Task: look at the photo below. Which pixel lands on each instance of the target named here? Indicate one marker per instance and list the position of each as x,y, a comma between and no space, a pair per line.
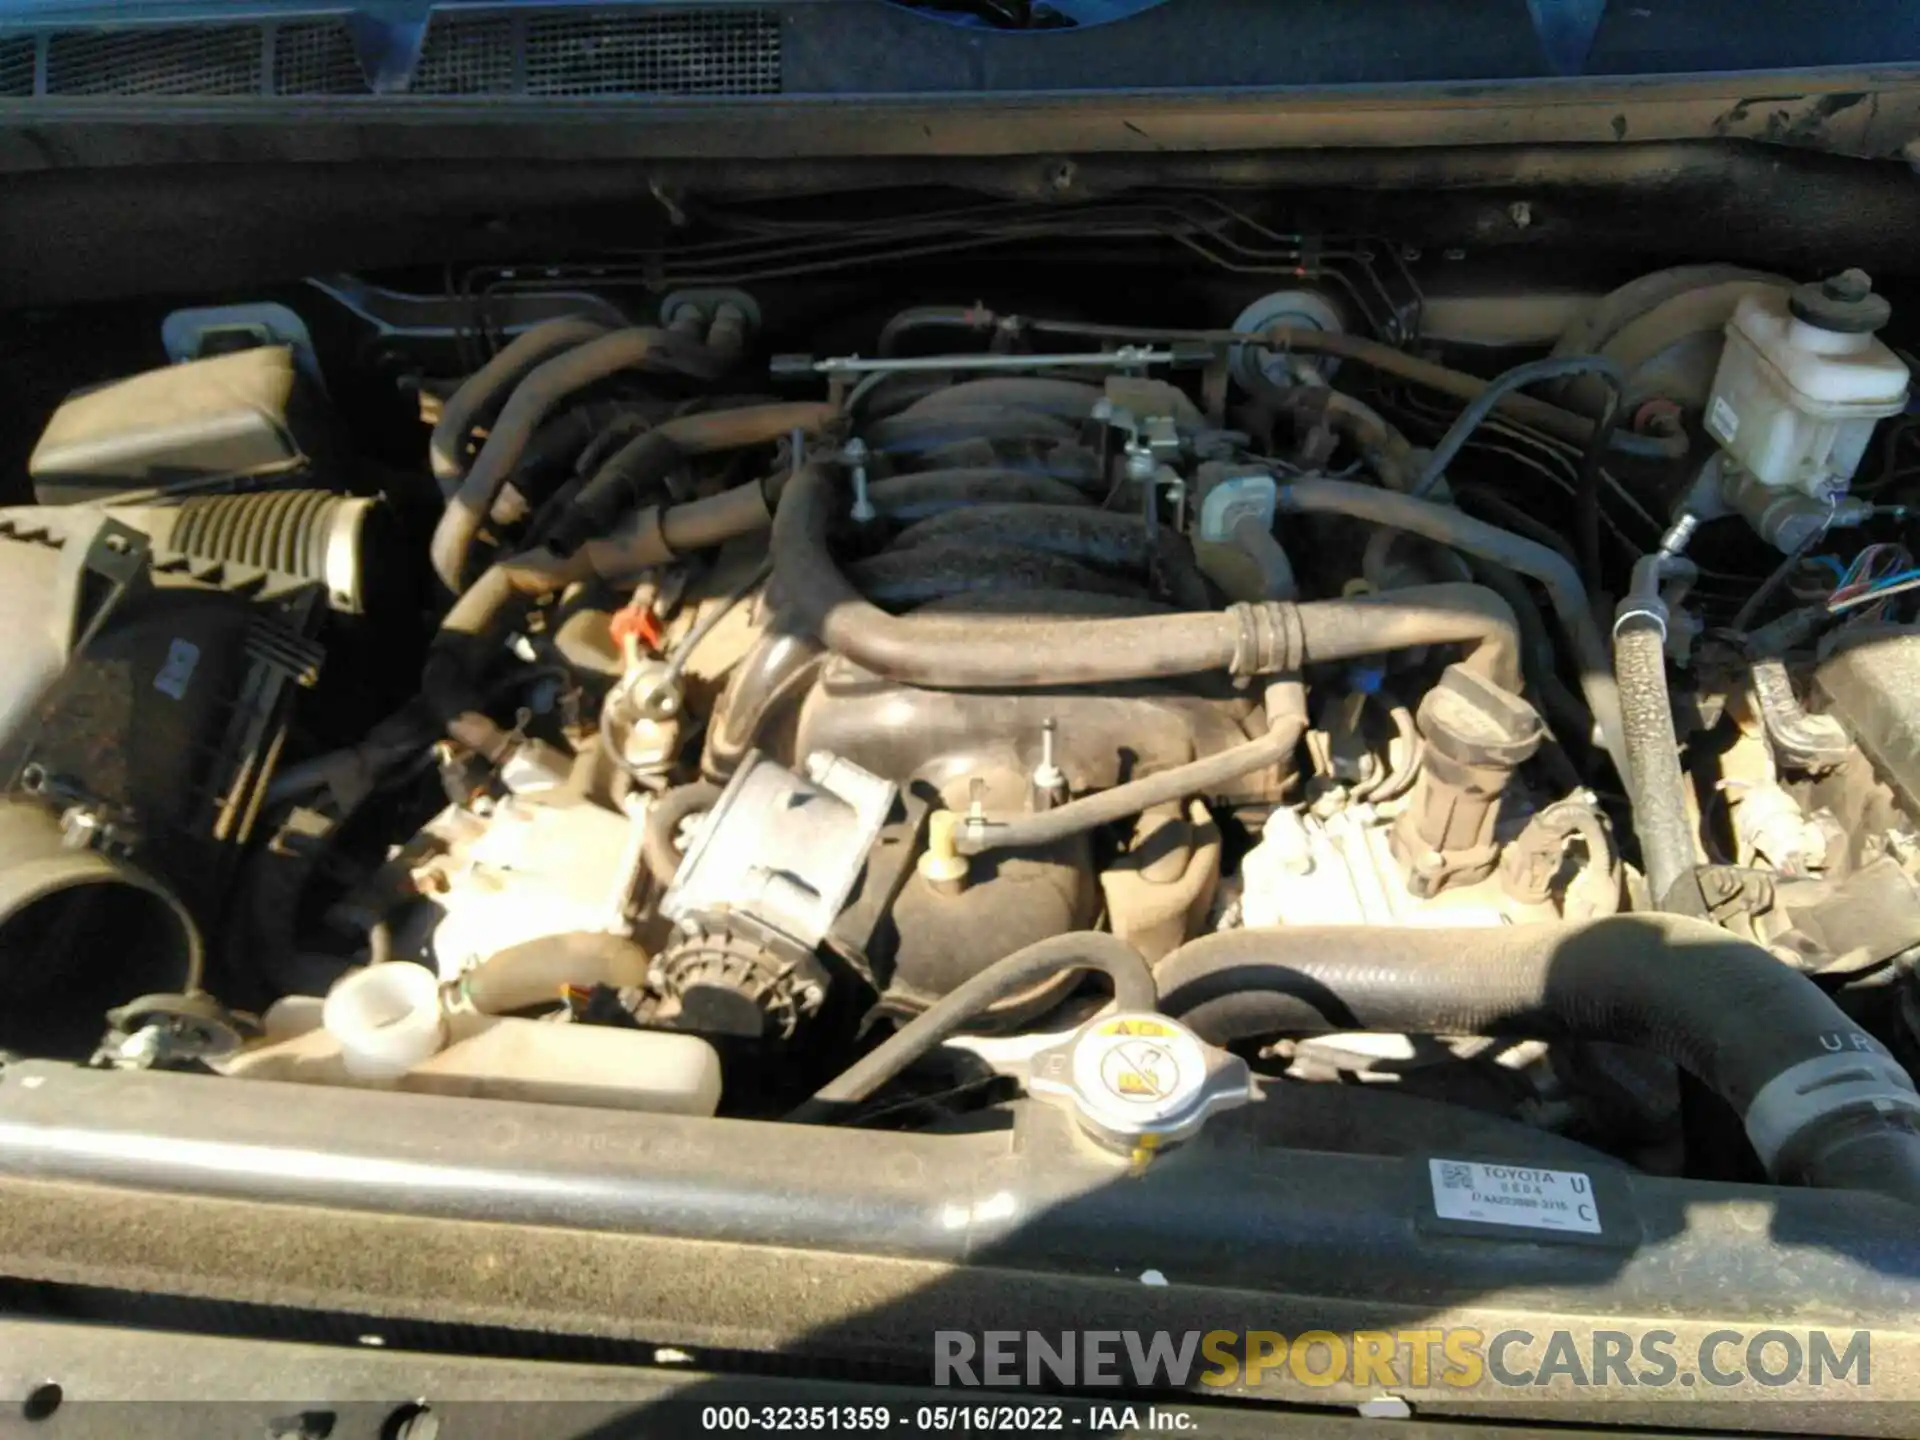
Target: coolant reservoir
384,1027
1802,382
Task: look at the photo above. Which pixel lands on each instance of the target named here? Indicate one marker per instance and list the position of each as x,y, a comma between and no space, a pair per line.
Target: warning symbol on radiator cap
1140,1071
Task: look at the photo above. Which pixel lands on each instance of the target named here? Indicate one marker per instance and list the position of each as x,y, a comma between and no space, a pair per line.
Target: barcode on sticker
1454,1175
1523,1195
1723,420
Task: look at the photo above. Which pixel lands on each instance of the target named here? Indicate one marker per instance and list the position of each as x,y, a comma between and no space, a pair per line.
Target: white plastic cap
386,1018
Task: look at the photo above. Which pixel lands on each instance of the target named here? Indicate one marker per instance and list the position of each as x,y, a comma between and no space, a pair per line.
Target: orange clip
638,622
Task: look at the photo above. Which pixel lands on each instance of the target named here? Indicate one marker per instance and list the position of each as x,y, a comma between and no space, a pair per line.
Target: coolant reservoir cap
1140,1081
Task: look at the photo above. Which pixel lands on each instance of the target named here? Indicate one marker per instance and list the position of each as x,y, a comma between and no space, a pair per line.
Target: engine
701,719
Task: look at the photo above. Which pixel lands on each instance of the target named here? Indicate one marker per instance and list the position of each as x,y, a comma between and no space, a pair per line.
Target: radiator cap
1140,1082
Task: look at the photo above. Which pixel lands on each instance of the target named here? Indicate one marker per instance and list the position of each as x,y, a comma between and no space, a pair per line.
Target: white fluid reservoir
1803,381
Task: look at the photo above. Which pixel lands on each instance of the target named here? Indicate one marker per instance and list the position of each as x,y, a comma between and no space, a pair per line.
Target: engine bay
737,685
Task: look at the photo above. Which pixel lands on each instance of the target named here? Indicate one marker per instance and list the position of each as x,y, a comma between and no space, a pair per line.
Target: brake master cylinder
1801,384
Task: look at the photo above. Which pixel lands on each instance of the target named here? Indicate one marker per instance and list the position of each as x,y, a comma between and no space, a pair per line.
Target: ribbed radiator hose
1823,1103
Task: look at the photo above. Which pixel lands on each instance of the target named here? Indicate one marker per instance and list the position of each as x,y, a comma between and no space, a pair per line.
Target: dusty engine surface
776,725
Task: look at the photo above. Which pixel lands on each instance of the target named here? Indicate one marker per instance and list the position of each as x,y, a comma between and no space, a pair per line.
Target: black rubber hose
1569,716
1373,437
1412,616
1571,720
632,473
1498,510
956,653
534,398
1448,526
1331,630
778,668
1554,367
1252,535
1084,950
470,635
1199,777
976,652
1752,607
1587,483
695,637
1374,354
969,318
379,942
482,393
556,449
537,972
1655,782
665,814
1722,1009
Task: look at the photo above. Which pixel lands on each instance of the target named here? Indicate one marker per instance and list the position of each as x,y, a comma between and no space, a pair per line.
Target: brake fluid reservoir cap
1140,1082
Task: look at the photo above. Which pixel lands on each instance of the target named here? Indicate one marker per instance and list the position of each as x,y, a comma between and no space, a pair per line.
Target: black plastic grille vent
16,65
719,52
555,54
316,58
467,56
202,60
711,52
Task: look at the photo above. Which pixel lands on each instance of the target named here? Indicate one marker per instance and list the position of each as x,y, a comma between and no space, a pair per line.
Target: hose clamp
1650,608
1271,639
1819,1089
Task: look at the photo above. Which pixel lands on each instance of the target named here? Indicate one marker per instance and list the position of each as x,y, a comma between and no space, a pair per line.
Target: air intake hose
80,930
1822,1102
276,539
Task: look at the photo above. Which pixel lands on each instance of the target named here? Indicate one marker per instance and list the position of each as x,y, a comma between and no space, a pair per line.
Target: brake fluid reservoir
1803,381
